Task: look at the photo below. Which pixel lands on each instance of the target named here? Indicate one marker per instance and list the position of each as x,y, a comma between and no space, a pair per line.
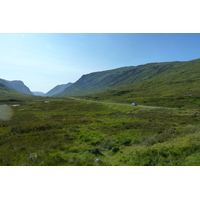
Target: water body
15,105
5,112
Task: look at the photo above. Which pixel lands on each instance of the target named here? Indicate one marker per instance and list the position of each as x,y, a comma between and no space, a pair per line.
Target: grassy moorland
70,132
188,100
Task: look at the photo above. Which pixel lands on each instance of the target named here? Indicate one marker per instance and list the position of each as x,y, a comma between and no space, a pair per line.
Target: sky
44,60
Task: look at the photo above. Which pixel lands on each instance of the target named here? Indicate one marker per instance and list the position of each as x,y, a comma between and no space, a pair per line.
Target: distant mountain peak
37,93
58,89
16,85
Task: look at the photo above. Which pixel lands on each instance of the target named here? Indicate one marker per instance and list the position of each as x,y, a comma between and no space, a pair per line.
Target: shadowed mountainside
6,93
154,79
17,86
58,89
37,93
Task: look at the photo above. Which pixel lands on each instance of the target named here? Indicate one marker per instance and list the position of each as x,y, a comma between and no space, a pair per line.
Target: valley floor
63,131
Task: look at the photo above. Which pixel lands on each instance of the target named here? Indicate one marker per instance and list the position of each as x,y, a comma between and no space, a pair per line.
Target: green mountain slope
57,89
6,93
94,82
177,85
144,77
18,86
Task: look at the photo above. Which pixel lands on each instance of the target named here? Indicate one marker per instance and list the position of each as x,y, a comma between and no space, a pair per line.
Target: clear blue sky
45,60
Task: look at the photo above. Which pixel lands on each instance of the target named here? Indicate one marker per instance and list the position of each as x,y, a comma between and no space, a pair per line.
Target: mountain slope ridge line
160,79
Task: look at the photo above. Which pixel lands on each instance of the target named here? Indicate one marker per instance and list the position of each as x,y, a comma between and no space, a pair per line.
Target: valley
92,122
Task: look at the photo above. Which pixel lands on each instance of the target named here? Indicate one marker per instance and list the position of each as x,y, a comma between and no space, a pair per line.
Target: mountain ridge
16,85
58,89
8,93
38,93
177,86
101,81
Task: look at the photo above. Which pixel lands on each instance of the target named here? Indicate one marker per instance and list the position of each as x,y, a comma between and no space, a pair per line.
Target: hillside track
121,104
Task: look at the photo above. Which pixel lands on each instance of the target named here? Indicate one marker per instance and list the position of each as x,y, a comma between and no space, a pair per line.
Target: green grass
169,84
176,79
71,132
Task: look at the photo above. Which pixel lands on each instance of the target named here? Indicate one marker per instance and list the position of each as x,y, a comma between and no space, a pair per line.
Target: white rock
34,155
97,160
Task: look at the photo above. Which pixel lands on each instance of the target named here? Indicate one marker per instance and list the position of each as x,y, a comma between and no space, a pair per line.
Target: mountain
17,86
172,85
8,93
91,83
38,93
153,80
110,79
58,89
5,90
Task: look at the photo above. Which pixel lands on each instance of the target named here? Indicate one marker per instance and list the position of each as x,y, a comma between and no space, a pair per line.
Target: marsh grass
69,132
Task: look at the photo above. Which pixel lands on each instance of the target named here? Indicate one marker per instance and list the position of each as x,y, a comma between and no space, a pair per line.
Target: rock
34,155
97,160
